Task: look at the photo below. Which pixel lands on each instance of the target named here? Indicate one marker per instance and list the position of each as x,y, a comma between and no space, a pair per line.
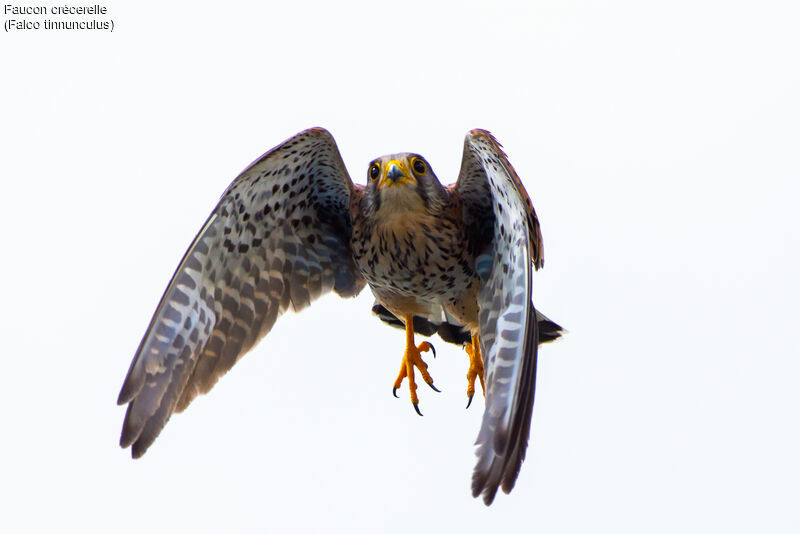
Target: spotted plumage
457,260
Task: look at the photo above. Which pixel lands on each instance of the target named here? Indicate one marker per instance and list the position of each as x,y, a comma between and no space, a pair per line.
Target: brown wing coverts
278,239
505,233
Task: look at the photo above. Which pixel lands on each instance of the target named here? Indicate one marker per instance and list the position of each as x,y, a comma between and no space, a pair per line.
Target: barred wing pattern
277,240
499,213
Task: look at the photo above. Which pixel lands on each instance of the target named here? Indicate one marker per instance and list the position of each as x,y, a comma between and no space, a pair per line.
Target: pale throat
400,208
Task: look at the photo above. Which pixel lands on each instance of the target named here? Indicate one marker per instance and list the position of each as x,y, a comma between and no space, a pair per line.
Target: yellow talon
475,367
412,358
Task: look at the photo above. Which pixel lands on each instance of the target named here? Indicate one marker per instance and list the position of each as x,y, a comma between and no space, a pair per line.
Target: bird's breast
416,256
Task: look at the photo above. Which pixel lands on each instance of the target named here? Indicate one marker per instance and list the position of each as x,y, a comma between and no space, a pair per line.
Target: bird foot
412,358
475,368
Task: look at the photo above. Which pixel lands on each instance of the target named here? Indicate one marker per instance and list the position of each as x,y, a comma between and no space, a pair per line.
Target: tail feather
548,330
454,333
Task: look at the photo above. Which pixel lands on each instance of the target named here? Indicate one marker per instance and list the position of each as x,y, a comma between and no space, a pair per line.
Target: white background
660,143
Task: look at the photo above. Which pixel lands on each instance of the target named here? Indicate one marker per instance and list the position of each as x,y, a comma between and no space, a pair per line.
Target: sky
658,142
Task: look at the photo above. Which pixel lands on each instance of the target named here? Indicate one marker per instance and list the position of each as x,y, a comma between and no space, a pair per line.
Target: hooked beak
395,173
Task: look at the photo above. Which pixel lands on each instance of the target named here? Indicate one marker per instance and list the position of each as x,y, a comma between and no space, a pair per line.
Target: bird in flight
453,260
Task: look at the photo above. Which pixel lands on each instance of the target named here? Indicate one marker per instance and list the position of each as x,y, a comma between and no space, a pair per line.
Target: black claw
434,387
433,350
394,392
416,407
470,400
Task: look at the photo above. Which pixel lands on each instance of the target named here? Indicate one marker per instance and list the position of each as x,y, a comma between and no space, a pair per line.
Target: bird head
402,183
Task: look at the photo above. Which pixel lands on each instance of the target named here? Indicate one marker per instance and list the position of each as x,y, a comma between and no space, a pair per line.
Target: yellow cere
408,178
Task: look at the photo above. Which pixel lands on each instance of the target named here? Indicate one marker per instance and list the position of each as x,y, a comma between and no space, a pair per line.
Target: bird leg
412,358
473,349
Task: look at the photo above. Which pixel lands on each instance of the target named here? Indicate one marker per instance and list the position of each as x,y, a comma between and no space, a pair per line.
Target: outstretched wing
278,239
504,232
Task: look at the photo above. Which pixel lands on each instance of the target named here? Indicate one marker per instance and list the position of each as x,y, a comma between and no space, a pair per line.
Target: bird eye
374,170
418,165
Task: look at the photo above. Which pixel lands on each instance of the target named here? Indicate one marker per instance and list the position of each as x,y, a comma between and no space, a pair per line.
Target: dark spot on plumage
275,188
465,267
193,263
243,248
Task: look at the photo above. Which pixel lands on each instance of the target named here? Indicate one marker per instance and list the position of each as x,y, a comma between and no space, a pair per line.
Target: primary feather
277,239
504,223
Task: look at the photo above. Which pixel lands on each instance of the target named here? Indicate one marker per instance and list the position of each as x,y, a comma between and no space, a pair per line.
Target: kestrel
455,260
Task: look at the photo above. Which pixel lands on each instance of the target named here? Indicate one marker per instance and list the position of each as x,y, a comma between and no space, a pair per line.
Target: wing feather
277,240
504,232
